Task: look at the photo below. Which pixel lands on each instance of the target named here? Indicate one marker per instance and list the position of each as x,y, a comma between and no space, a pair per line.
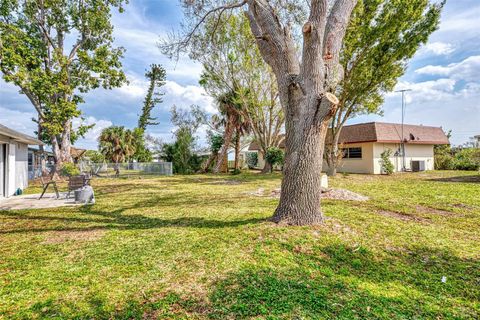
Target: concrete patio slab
31,201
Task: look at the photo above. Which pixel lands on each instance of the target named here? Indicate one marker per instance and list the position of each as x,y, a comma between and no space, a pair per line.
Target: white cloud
438,48
18,120
465,21
136,88
141,37
90,139
467,70
433,90
184,96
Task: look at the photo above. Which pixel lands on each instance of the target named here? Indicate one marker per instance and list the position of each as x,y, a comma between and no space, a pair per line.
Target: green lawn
200,247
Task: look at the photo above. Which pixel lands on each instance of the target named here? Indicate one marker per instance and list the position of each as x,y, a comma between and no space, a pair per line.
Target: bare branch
180,45
335,29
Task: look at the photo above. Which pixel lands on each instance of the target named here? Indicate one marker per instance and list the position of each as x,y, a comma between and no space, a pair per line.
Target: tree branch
312,62
189,36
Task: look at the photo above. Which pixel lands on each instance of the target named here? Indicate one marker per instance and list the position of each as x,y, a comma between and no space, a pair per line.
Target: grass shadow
460,179
334,282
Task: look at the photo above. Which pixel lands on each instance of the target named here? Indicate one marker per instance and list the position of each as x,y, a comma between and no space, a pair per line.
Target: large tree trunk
333,155
57,156
306,90
301,184
266,167
237,152
43,162
65,148
212,158
227,139
61,151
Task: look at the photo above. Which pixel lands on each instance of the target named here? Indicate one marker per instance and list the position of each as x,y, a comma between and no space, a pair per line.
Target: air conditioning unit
418,166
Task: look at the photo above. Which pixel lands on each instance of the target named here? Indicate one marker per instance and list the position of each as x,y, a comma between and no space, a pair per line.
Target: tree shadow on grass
342,283
460,179
335,282
115,220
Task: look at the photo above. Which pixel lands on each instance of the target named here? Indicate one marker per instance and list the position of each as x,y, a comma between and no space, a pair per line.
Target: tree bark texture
333,156
237,152
267,167
227,139
306,90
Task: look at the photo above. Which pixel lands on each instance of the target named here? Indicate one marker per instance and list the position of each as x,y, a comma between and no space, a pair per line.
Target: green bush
274,156
460,159
467,159
252,159
444,161
387,165
69,169
95,156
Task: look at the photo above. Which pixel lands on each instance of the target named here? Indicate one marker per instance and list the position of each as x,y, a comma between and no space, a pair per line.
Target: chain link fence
114,170
111,170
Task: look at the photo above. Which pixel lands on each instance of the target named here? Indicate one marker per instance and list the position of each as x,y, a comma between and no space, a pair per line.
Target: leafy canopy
381,36
117,144
54,50
156,75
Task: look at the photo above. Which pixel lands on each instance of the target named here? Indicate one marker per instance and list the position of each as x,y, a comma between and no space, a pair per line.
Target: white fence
35,171
112,170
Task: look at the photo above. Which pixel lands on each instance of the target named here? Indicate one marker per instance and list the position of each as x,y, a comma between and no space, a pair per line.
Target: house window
352,153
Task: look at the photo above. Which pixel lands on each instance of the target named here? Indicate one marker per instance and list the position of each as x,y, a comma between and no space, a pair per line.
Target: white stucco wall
21,166
371,160
261,160
363,165
2,170
413,152
15,173
10,172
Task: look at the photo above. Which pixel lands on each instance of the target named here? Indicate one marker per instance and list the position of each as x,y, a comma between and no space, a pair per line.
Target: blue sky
443,76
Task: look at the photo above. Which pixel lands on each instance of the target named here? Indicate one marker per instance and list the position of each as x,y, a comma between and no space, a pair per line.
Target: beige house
362,145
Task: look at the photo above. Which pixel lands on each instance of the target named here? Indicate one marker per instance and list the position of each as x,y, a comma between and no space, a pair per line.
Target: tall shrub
386,163
274,156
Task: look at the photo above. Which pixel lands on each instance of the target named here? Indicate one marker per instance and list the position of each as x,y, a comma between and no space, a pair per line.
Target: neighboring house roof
385,133
35,150
77,152
18,136
254,145
391,133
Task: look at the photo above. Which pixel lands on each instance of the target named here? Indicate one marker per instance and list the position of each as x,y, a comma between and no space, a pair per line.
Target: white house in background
363,144
476,141
14,160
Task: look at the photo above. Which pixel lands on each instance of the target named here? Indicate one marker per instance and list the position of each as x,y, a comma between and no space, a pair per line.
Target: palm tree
235,120
117,144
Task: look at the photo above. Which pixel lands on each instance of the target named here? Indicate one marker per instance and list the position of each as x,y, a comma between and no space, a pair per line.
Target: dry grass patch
56,237
401,216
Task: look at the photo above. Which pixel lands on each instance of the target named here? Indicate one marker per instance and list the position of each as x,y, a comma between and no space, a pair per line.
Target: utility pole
402,139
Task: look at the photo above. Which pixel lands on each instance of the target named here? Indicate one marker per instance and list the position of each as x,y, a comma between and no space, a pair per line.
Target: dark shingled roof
385,133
